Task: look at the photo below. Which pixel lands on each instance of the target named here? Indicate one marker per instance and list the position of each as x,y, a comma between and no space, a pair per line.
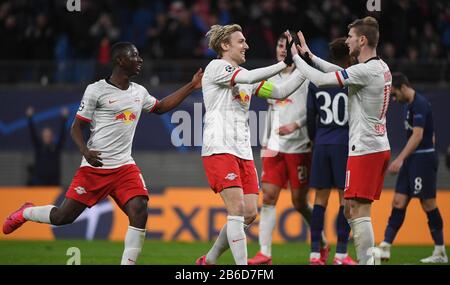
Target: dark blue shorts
417,177
329,163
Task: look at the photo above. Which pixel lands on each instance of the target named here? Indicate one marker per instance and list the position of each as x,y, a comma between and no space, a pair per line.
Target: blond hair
367,27
220,34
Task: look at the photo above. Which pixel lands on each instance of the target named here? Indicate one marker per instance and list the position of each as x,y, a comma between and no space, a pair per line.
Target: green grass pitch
168,253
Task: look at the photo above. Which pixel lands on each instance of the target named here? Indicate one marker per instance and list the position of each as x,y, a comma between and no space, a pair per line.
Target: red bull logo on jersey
126,116
284,102
242,97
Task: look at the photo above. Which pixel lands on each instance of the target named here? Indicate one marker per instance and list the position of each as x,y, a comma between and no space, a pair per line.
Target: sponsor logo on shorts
231,176
80,190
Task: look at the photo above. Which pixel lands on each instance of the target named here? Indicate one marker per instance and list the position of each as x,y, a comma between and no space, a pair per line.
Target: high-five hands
289,49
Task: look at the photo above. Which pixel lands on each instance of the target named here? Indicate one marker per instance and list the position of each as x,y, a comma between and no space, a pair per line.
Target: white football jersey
369,87
226,128
282,112
113,115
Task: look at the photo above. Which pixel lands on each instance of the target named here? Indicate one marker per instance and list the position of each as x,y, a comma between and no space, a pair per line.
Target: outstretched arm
317,77
174,99
256,75
267,89
92,156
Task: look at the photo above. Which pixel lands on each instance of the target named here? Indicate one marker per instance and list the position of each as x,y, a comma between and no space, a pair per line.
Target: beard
355,53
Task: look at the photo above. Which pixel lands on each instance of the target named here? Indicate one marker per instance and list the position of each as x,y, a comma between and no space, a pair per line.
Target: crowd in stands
45,30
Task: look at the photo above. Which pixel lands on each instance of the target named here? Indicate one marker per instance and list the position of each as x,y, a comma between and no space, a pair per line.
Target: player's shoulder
420,100
97,87
220,65
138,86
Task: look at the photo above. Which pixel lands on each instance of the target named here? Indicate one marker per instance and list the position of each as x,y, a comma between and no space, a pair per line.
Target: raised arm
34,135
319,63
173,100
62,132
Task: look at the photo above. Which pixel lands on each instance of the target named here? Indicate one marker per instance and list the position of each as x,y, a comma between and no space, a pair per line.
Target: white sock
364,238
237,239
134,241
219,246
438,249
39,214
266,227
340,255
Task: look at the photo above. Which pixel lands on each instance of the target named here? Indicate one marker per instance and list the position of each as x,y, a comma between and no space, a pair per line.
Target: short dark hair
367,27
399,79
339,51
119,49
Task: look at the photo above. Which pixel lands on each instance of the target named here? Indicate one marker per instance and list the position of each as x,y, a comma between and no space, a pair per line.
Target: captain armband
265,90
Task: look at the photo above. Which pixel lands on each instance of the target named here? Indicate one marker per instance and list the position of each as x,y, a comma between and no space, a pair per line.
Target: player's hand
197,79
29,112
395,166
287,129
93,158
64,112
303,47
265,152
290,52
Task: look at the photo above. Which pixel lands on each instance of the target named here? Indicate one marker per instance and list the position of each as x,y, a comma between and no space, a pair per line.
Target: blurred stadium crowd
44,30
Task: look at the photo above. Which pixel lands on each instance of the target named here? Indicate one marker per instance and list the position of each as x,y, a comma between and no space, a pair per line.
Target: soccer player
286,158
111,108
226,152
329,107
416,166
369,84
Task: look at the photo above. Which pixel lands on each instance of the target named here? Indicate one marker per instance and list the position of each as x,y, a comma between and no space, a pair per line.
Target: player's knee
249,219
269,198
59,218
300,205
347,212
137,212
428,205
236,209
399,204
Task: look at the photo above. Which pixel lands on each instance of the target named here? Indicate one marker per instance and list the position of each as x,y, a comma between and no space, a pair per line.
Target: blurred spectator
47,151
388,51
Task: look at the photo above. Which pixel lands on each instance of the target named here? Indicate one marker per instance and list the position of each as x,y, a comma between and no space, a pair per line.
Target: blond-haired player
226,152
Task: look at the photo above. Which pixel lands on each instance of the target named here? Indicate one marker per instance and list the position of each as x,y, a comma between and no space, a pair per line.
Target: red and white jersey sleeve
113,115
226,128
369,92
149,102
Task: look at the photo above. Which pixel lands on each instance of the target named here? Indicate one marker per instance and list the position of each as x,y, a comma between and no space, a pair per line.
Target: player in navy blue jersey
327,121
416,166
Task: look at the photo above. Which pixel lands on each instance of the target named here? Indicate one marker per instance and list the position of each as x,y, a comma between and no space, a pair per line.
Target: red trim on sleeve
154,106
83,118
232,83
259,87
339,79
